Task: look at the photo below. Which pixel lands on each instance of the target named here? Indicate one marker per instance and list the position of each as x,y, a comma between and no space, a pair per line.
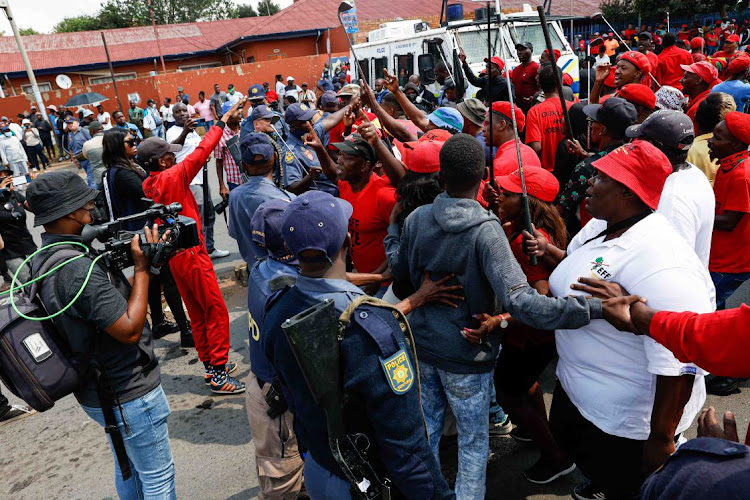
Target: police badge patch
399,372
308,154
289,157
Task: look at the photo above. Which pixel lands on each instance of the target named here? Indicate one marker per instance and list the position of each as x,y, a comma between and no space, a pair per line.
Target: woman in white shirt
621,400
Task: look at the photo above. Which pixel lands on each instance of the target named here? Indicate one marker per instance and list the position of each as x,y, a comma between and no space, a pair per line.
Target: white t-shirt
280,88
166,113
601,59
104,116
233,98
191,142
610,376
688,202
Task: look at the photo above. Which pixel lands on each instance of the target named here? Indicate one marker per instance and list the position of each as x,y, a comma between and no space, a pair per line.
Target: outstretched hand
439,292
708,425
487,324
599,288
311,138
391,82
617,312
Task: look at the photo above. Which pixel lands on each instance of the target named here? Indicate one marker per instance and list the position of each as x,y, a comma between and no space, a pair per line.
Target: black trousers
171,293
4,405
612,463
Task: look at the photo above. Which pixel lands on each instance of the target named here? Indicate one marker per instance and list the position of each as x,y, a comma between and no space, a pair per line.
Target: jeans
147,444
86,165
232,185
497,414
210,216
36,155
468,395
726,284
158,132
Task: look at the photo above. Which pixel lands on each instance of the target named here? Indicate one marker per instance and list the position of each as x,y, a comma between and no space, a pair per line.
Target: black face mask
411,97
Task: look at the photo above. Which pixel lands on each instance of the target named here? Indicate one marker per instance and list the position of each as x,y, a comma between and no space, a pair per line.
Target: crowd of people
608,242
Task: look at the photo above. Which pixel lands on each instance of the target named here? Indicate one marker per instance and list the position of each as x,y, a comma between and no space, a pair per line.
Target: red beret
503,108
567,80
739,126
638,94
638,60
554,51
696,43
739,65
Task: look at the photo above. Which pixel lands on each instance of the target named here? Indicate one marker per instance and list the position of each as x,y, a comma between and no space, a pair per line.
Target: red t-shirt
506,158
732,190
336,134
544,124
653,59
368,224
694,103
712,39
524,80
668,71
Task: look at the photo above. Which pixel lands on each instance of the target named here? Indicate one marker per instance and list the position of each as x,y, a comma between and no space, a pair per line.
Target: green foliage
660,7
267,8
245,10
28,31
78,23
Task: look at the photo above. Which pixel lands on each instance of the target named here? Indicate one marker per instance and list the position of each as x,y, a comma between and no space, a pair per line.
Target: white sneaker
218,254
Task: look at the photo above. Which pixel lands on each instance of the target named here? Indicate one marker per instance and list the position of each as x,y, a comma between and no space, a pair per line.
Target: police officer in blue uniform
378,366
256,94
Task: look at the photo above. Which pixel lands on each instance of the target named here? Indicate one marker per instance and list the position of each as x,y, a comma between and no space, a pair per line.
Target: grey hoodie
456,235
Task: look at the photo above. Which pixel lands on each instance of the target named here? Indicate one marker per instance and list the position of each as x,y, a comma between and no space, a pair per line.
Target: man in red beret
631,67
731,43
495,68
640,96
735,86
696,49
696,84
503,138
668,72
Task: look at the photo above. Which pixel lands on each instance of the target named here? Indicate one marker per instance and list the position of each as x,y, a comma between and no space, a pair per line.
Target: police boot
186,335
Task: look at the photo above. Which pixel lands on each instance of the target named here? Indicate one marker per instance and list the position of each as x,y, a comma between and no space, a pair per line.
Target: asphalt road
62,454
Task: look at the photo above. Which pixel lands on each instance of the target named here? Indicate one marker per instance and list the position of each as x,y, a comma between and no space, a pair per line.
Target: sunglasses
130,142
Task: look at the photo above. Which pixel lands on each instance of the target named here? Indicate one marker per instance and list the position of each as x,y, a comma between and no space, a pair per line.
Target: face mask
298,133
8,134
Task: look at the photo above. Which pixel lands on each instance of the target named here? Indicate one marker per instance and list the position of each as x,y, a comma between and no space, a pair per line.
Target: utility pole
29,72
112,73
156,35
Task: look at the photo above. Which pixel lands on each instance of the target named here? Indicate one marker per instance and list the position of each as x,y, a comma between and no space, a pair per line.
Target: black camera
221,206
183,234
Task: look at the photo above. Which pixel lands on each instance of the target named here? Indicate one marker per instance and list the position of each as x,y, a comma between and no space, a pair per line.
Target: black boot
186,335
164,328
724,386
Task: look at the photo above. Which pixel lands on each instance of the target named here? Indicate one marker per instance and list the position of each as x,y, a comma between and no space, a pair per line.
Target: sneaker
229,368
546,471
586,491
218,254
520,435
501,428
221,383
16,412
164,328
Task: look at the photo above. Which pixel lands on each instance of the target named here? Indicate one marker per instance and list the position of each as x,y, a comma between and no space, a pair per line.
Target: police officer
256,94
377,364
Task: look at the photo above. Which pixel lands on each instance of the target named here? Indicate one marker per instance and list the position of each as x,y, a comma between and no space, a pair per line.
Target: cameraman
19,243
169,182
107,305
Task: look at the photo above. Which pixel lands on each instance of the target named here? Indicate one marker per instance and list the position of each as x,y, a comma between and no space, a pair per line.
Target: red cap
739,126
641,167
554,51
422,156
684,25
739,65
696,43
638,60
705,70
733,38
497,61
503,108
437,134
610,80
567,80
540,183
638,94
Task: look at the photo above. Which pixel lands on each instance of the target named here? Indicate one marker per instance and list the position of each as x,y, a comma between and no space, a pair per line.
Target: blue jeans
322,484
726,284
468,395
232,185
158,132
89,173
147,444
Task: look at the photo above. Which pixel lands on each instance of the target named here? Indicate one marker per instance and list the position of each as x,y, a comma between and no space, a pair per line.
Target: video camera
183,234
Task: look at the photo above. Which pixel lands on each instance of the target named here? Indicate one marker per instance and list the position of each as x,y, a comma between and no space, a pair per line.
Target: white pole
29,72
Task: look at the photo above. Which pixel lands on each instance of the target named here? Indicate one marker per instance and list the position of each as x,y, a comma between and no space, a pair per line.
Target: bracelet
154,270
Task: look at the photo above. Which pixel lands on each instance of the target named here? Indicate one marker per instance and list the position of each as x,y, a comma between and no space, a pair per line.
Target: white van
410,47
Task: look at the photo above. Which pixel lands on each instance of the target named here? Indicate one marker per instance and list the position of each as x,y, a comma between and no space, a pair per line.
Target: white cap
289,78
96,104
87,112
25,121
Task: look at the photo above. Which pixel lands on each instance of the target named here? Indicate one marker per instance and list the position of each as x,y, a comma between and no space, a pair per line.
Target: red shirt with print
336,134
544,124
732,190
368,224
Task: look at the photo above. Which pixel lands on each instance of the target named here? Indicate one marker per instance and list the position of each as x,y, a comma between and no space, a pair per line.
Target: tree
78,23
659,7
267,8
245,10
28,31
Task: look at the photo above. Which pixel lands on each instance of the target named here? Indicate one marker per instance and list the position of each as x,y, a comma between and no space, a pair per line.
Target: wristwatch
504,322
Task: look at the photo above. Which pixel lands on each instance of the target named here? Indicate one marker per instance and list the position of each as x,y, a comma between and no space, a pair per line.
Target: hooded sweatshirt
456,235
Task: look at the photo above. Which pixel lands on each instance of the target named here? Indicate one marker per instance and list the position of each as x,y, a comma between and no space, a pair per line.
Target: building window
43,87
95,80
192,67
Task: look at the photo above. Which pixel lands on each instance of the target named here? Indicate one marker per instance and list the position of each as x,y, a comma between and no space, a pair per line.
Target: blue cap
226,107
262,111
447,118
328,97
256,92
256,144
298,112
315,220
70,119
266,230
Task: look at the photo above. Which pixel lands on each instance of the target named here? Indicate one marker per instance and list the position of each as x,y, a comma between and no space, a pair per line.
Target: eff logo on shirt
598,270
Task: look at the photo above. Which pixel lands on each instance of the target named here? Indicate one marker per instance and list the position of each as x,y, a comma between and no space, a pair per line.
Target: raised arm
412,112
396,128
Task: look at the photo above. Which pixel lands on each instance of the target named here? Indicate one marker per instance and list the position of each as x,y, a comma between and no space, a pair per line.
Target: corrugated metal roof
68,50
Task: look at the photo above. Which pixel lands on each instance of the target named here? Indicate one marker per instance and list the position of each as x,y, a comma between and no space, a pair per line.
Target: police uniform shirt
244,201
298,159
259,290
